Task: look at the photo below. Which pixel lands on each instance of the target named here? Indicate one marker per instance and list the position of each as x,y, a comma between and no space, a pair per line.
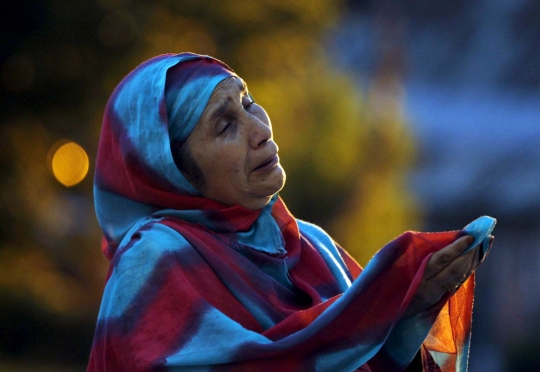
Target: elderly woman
210,271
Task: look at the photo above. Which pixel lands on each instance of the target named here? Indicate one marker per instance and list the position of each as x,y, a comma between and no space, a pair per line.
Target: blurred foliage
345,154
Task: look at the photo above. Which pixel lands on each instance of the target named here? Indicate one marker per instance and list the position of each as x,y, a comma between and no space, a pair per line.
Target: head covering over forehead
136,178
188,89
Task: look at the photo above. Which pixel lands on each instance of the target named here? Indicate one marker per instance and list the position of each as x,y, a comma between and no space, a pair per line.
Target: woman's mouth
267,164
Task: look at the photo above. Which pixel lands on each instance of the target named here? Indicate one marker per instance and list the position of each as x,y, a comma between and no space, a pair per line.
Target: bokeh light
68,162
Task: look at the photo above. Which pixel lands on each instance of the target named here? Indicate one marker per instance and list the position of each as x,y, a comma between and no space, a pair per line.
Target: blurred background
390,116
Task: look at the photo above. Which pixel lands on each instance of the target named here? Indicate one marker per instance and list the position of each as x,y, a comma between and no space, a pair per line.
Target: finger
481,254
454,273
439,260
475,258
490,244
479,257
447,280
475,261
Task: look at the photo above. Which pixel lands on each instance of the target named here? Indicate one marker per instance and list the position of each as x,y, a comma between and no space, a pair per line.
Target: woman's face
233,147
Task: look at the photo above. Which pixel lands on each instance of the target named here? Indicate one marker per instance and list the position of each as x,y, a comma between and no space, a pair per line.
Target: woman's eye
224,128
247,101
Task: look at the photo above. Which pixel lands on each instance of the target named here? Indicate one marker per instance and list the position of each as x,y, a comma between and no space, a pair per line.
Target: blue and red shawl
195,285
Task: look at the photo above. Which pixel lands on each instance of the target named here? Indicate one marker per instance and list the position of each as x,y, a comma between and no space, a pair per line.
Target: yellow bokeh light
69,163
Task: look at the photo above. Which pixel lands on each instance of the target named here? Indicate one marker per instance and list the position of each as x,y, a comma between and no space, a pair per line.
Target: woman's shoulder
319,238
153,239
313,232
337,260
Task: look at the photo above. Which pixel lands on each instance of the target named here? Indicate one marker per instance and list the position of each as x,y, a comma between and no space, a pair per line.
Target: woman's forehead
230,90
234,83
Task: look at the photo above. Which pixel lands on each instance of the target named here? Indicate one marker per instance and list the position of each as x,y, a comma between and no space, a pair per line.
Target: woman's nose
260,133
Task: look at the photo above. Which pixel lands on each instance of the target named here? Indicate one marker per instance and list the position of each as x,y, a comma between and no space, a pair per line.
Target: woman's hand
445,271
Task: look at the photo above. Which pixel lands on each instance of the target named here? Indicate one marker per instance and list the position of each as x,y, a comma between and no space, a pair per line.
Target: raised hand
446,270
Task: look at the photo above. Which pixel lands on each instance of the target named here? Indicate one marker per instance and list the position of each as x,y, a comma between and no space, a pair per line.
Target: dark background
405,115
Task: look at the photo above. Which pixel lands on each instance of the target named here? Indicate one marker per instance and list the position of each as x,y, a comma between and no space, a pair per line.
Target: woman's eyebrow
225,104
220,110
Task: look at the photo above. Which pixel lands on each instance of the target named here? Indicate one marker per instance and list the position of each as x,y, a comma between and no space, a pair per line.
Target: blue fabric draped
196,285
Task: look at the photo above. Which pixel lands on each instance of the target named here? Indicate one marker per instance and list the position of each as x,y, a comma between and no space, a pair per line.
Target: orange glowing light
69,163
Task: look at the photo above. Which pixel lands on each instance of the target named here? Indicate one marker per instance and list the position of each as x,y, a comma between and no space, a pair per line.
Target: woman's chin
276,181
266,190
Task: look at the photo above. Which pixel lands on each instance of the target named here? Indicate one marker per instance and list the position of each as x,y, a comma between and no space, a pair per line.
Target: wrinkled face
233,147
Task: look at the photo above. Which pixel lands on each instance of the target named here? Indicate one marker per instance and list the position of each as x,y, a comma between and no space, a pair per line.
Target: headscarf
197,285
136,176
